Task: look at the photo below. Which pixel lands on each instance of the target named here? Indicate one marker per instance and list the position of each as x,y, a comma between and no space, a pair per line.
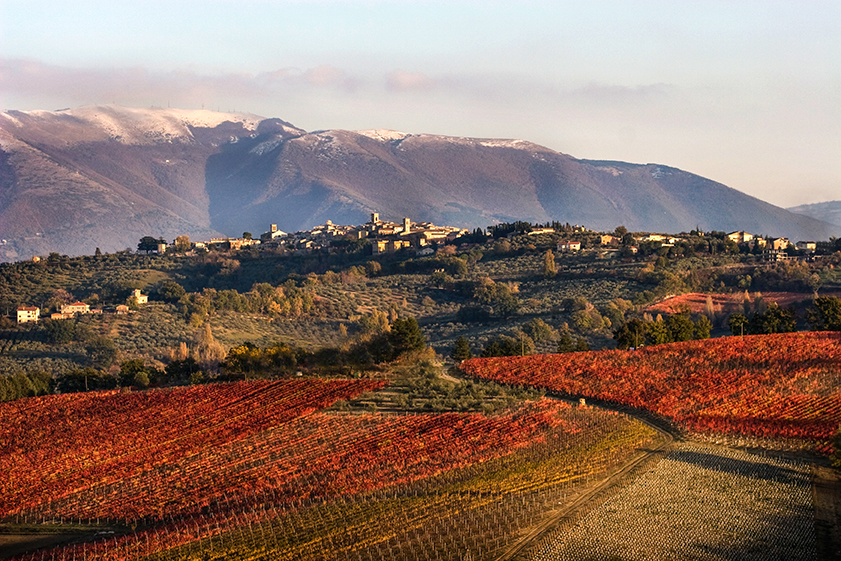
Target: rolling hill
104,176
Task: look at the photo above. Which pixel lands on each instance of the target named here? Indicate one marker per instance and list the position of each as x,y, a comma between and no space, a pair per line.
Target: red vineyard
191,464
55,446
778,386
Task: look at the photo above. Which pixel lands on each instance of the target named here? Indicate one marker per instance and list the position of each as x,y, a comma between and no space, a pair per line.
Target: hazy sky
747,93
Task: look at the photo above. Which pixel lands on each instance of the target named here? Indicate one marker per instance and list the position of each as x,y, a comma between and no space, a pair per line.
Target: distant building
740,237
28,314
807,246
76,308
776,255
780,244
122,309
272,234
141,298
538,231
608,239
569,246
389,246
59,315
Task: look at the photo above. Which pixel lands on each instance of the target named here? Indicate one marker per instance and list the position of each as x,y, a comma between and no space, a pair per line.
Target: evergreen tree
631,334
658,332
737,324
703,327
825,314
461,350
406,336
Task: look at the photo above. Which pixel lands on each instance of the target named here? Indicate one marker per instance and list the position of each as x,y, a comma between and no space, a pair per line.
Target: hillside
106,176
828,212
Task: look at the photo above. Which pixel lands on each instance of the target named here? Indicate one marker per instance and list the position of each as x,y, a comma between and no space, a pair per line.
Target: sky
747,93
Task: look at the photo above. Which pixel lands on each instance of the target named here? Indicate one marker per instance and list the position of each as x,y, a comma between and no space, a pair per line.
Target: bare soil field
700,502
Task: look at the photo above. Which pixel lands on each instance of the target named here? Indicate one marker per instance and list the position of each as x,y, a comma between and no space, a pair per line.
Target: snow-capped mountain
105,176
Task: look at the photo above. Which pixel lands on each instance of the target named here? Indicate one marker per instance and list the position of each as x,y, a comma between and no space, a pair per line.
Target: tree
825,314
171,291
246,235
703,327
620,231
59,330
182,243
549,268
658,332
406,336
737,324
147,243
631,334
509,346
102,351
681,327
373,268
565,342
539,330
498,296
461,350
207,350
141,379
815,282
130,369
773,320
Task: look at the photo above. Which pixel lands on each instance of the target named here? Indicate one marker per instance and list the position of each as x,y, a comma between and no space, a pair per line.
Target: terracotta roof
27,309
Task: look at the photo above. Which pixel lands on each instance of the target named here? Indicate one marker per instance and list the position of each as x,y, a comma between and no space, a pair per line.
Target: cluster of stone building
27,314
773,249
385,237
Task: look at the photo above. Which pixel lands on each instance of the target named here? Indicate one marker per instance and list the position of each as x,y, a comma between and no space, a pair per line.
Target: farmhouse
141,298
740,237
76,308
569,246
28,314
780,244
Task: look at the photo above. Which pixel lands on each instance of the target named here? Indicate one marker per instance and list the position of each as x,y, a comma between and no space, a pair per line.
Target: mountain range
105,176
829,211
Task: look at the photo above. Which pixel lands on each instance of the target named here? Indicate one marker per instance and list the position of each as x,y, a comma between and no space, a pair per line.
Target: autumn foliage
198,466
781,386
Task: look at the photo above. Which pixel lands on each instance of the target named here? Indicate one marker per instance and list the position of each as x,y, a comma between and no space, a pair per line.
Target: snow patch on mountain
143,126
383,134
266,147
503,143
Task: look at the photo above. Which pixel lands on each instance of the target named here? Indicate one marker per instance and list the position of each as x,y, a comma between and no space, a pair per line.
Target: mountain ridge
828,211
104,176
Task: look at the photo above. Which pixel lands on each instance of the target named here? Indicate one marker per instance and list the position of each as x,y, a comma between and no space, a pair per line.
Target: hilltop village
423,239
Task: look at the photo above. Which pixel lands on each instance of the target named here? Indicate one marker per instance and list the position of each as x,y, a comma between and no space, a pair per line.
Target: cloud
401,81
35,80
329,76
614,92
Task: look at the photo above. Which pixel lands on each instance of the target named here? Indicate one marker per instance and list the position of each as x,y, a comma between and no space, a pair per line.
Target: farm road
568,512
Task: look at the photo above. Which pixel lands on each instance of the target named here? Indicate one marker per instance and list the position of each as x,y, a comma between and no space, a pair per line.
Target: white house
27,314
569,246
